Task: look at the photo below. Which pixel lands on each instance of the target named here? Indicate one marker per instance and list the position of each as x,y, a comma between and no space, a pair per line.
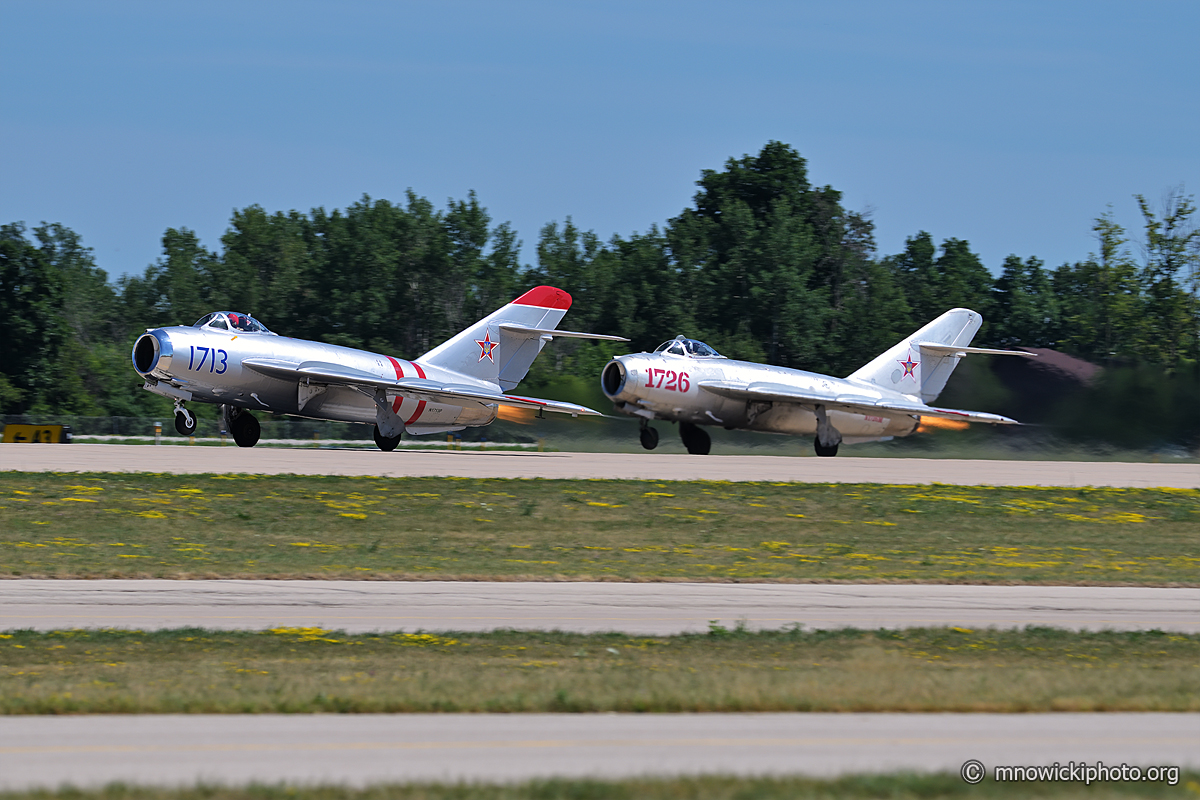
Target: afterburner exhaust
521,416
937,423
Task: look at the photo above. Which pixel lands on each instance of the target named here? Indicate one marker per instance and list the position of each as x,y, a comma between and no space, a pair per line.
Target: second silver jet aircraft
688,382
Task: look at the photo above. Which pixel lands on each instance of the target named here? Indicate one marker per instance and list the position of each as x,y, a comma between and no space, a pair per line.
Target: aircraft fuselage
666,386
206,365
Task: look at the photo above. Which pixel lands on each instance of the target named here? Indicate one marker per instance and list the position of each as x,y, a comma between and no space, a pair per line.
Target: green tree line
763,265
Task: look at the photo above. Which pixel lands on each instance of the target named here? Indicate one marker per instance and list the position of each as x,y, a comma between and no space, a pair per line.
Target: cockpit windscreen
231,320
691,347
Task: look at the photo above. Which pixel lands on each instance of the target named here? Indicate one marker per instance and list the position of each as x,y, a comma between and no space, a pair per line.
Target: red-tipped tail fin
544,297
486,351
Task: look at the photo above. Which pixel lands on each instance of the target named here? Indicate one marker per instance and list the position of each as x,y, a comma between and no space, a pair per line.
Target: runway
642,466
636,608
358,750
364,749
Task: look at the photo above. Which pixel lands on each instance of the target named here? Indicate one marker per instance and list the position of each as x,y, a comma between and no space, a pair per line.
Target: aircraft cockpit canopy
231,321
680,346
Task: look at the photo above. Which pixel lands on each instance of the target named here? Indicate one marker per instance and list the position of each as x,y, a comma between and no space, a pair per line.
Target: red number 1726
675,381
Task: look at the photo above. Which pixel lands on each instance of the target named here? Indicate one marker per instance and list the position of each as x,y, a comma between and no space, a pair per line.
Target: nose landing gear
649,436
185,421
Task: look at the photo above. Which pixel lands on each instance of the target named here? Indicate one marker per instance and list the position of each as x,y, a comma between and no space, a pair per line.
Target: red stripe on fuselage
420,403
396,402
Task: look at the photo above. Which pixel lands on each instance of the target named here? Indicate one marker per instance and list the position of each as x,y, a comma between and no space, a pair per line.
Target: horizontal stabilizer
520,329
949,349
850,403
549,405
968,416
415,388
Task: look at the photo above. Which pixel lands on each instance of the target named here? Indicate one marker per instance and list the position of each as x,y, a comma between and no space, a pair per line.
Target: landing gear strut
695,439
828,437
386,444
649,436
185,421
242,425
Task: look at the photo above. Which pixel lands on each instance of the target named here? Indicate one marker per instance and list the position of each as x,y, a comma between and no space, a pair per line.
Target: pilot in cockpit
680,346
236,320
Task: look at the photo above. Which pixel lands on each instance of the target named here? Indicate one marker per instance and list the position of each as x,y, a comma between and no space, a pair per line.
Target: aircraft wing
416,388
855,404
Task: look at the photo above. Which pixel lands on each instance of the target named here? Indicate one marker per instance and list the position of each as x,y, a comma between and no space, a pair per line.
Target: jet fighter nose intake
612,380
152,353
145,354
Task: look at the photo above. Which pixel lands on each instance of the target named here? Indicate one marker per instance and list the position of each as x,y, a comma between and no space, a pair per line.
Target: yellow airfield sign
37,434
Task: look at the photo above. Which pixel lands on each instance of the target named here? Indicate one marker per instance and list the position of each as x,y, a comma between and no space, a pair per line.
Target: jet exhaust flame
937,423
521,416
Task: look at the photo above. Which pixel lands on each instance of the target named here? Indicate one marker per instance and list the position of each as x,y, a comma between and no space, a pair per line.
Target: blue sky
1008,124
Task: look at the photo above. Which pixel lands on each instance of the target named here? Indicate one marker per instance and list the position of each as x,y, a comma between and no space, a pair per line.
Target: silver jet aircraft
231,359
688,382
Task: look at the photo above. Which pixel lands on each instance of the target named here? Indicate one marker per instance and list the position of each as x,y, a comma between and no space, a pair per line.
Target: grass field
153,525
295,670
895,786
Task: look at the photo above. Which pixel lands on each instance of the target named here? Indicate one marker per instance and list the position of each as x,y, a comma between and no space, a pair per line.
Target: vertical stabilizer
485,352
911,369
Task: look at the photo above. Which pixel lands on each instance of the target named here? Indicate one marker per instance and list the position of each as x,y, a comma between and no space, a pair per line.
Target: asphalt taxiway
361,749
636,608
643,466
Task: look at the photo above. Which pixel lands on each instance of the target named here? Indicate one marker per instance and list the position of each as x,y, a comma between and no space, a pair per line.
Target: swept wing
855,404
415,388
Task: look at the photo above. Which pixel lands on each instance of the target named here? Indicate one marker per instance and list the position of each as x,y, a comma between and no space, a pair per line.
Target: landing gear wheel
695,439
185,421
649,438
823,451
385,444
245,429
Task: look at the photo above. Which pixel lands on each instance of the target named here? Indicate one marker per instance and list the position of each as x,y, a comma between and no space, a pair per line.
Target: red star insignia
910,367
487,347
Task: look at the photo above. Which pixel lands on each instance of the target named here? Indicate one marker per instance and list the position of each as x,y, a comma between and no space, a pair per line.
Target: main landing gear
242,426
649,436
385,443
695,439
828,437
185,421
823,450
